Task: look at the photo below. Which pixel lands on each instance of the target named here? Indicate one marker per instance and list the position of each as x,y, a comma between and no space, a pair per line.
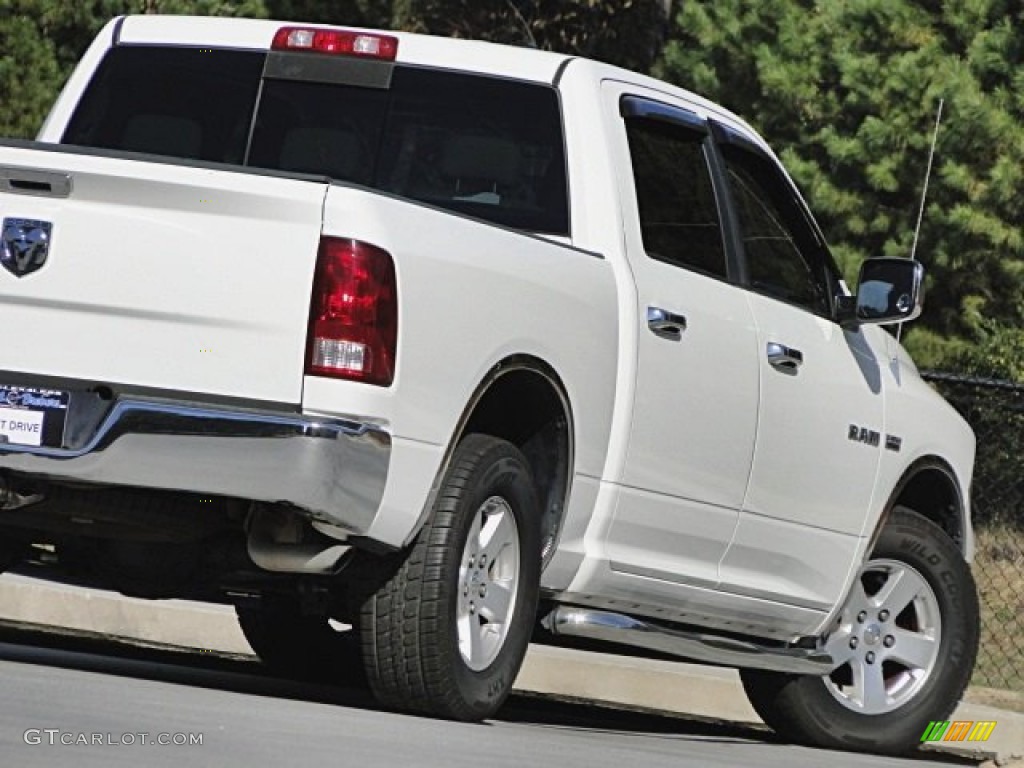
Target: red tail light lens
340,42
353,317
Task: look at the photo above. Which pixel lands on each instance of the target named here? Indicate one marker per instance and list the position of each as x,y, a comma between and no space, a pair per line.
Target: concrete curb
635,683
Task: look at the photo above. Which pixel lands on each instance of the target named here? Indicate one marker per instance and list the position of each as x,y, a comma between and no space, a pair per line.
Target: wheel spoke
914,649
869,687
476,634
466,633
858,599
473,543
900,588
495,606
497,534
838,647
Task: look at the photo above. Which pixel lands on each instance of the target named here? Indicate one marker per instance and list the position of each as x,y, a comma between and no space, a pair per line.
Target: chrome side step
711,649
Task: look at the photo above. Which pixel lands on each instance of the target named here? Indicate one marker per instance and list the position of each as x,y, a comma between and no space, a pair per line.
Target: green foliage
362,13
846,92
849,92
997,353
25,99
493,20
41,40
623,32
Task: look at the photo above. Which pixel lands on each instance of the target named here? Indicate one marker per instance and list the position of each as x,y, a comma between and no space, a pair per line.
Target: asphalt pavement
69,700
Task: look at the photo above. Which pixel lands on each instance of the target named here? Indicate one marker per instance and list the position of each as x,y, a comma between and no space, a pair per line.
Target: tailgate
159,275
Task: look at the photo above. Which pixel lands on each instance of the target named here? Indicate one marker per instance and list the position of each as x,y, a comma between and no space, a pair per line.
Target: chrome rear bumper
334,469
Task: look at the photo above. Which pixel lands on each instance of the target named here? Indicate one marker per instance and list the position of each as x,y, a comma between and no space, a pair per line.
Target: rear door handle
784,358
665,324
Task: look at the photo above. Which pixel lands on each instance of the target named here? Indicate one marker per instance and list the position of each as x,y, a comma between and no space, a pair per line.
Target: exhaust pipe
11,499
283,542
618,628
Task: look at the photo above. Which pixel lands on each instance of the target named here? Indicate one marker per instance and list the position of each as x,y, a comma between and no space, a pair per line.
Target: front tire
445,635
906,642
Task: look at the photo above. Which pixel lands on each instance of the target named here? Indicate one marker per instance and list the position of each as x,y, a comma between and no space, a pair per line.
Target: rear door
695,406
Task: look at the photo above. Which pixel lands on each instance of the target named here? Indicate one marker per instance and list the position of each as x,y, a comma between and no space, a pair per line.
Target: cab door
696,394
820,424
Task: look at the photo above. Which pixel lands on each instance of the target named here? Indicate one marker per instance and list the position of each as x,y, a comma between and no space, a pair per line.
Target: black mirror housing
889,291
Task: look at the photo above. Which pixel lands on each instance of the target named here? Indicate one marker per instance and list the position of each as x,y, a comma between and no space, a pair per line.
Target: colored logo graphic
958,730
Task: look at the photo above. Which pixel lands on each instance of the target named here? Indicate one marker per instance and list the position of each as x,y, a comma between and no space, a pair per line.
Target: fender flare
926,463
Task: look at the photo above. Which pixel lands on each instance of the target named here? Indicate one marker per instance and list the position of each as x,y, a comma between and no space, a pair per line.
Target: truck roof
518,63
224,32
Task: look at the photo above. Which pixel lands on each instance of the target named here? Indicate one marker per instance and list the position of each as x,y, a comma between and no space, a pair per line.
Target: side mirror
889,291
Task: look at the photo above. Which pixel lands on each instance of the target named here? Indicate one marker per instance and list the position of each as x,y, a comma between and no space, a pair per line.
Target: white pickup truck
460,344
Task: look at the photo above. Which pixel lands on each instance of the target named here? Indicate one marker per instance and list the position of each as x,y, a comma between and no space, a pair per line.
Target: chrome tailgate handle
32,181
784,358
665,324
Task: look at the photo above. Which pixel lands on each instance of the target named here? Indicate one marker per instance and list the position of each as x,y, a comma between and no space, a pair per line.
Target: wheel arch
930,487
522,399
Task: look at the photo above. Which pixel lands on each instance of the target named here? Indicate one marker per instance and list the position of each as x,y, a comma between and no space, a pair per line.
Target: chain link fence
995,410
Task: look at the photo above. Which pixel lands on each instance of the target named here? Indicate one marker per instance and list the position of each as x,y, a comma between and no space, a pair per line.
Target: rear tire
445,635
12,553
907,638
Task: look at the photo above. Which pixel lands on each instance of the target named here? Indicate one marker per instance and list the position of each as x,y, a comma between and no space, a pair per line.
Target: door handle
784,358
665,324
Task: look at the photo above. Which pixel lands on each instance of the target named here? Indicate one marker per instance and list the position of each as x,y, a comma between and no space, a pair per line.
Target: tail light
353,316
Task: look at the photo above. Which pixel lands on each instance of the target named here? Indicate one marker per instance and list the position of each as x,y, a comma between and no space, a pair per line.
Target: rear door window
679,219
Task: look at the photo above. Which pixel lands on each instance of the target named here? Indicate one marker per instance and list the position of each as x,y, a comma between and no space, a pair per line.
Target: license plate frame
33,417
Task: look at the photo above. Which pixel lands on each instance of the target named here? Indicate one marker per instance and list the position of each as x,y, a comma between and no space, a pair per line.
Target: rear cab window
478,145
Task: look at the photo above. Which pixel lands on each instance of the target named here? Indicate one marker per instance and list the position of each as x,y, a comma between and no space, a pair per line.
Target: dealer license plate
30,416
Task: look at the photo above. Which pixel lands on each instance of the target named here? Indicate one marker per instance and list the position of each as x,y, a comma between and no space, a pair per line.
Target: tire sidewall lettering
803,709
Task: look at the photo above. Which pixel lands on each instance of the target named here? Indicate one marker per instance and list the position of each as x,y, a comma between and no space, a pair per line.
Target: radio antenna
924,197
527,32
927,178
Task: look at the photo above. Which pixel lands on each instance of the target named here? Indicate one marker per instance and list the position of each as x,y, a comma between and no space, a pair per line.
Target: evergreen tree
29,74
849,92
361,13
624,32
41,40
